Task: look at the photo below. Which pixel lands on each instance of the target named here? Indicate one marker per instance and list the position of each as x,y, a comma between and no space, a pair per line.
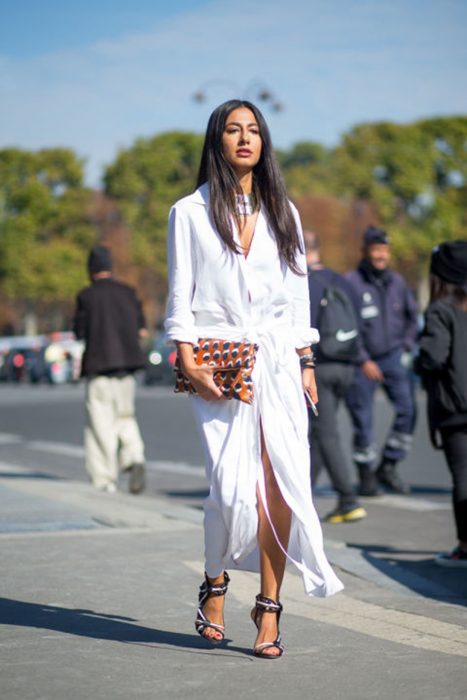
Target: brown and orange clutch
234,362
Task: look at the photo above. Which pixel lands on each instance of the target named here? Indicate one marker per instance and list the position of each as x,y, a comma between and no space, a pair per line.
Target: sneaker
368,485
390,479
137,480
350,514
456,558
109,488
368,490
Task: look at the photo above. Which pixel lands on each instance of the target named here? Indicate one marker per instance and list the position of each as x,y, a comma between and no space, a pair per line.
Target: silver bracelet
307,360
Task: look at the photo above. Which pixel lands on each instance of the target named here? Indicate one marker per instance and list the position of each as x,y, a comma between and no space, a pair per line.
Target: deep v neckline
246,253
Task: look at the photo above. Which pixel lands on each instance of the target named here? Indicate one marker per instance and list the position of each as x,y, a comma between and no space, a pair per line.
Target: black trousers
333,380
455,450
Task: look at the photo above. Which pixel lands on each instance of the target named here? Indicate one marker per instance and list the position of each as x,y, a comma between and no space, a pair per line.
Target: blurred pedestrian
109,319
442,364
388,332
333,311
237,273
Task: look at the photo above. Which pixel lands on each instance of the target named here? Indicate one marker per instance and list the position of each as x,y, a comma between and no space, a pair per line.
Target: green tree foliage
44,224
413,175
308,169
416,174
146,180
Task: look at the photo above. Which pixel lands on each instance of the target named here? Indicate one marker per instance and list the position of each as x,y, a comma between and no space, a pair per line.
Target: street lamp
254,90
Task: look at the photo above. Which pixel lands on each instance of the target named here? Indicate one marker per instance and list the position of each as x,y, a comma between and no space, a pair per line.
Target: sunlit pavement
99,590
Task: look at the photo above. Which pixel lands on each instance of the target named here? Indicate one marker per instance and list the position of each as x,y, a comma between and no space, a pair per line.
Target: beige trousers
112,439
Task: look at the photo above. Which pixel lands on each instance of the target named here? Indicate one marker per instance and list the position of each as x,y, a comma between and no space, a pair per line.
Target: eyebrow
240,124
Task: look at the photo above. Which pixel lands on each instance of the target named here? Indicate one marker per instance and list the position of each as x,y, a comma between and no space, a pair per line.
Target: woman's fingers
312,393
203,381
309,384
211,392
216,393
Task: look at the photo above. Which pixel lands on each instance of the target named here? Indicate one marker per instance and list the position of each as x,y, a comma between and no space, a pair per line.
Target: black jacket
320,277
442,364
108,318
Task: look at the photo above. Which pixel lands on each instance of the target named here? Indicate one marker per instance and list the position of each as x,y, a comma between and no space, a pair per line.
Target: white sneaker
109,488
455,559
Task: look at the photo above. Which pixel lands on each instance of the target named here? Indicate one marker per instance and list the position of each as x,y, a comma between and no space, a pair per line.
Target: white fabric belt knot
273,341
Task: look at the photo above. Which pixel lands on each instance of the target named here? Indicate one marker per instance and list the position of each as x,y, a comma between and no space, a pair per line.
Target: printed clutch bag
234,362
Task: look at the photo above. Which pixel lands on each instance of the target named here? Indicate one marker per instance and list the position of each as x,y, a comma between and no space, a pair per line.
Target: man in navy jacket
388,331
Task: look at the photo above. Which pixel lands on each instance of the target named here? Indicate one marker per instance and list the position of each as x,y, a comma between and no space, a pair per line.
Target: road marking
77,451
10,439
58,448
68,450
177,468
341,610
407,503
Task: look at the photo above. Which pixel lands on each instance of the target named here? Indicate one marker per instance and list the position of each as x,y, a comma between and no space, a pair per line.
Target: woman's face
241,141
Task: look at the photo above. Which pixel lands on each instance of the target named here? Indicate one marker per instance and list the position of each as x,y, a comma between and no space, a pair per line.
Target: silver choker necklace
246,204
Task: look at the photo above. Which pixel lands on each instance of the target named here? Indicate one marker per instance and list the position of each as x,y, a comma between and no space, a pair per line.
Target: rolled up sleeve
179,323
297,286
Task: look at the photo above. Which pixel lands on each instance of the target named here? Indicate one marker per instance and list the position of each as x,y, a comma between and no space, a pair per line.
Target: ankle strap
206,590
268,604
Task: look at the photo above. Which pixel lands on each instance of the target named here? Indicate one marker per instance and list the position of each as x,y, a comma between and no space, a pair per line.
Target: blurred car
22,364
3,354
55,359
160,363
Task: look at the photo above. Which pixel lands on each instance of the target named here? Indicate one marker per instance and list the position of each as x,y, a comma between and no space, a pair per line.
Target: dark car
160,363
22,364
3,356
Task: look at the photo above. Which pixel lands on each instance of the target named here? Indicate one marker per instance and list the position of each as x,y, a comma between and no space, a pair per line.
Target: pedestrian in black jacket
109,319
334,375
443,367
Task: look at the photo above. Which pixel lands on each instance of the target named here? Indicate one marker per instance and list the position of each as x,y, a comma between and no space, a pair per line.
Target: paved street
42,428
99,591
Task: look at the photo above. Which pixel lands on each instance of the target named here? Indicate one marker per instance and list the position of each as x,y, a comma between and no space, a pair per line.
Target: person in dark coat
388,333
443,367
109,319
333,378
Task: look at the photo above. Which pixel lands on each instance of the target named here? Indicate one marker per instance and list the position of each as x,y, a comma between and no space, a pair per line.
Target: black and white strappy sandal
202,623
267,605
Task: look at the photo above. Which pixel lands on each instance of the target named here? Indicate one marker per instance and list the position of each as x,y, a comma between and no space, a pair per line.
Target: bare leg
272,558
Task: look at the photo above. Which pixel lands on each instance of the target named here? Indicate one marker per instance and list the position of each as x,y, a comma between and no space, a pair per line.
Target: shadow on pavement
88,623
422,576
31,475
193,493
430,490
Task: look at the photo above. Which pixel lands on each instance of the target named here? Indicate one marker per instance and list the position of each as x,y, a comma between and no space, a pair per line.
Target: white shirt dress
216,293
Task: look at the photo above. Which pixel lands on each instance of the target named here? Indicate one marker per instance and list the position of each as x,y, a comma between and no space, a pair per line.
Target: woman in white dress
237,272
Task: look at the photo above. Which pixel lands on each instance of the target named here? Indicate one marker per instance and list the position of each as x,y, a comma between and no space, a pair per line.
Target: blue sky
96,75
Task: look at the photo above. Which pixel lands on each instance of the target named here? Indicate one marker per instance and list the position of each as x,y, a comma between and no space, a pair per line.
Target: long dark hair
268,185
440,289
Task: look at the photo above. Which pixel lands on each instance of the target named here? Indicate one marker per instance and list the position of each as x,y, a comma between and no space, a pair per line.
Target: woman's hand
202,378
309,383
